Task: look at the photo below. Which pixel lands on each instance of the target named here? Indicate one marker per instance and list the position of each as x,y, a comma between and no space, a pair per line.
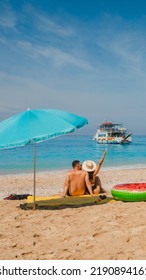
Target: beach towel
57,200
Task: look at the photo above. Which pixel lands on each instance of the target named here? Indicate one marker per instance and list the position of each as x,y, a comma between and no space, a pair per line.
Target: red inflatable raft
129,192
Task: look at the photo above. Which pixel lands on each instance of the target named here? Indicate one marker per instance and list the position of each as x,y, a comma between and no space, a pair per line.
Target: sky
87,57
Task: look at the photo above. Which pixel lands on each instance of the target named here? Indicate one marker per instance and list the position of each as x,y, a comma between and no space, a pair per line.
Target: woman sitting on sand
93,169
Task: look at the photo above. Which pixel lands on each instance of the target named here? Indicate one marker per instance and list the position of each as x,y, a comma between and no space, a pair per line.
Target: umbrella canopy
37,126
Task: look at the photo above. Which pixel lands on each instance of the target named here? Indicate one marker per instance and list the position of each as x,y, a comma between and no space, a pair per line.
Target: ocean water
58,154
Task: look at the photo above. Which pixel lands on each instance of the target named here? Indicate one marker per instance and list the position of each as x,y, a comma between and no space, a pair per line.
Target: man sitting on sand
76,181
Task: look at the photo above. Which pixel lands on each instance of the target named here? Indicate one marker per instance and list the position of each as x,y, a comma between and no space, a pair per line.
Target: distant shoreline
104,169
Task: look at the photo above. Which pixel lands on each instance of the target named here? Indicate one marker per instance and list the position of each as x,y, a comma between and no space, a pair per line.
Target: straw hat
89,165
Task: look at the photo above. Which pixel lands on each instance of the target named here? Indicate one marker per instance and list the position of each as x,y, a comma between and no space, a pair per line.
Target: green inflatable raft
129,192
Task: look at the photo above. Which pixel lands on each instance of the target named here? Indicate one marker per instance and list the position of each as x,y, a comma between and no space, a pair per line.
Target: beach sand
111,231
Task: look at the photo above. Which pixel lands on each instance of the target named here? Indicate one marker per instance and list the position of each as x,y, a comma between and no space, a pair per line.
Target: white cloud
63,58
122,44
45,24
8,18
3,40
20,93
60,58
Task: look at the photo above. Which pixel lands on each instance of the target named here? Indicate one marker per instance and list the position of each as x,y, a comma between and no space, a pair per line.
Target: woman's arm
99,164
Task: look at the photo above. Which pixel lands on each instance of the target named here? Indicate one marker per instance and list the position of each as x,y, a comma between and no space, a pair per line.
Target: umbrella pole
34,182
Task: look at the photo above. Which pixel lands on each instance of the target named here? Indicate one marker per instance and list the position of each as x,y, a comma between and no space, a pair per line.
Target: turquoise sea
58,153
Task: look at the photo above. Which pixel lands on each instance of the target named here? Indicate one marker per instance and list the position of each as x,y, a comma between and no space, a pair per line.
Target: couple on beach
82,179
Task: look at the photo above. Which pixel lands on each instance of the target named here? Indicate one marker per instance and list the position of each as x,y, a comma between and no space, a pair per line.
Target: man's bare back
76,181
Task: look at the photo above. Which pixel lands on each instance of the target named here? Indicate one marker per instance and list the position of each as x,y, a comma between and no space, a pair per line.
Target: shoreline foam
104,168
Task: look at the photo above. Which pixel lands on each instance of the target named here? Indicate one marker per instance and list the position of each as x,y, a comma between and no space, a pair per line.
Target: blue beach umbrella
37,126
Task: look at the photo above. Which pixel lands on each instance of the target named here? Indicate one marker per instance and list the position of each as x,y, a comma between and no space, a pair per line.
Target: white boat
111,133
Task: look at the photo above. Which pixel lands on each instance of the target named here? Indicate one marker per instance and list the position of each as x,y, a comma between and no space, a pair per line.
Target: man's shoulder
83,172
69,172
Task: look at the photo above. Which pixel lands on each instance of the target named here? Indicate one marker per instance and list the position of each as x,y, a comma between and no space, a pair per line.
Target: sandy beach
115,230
